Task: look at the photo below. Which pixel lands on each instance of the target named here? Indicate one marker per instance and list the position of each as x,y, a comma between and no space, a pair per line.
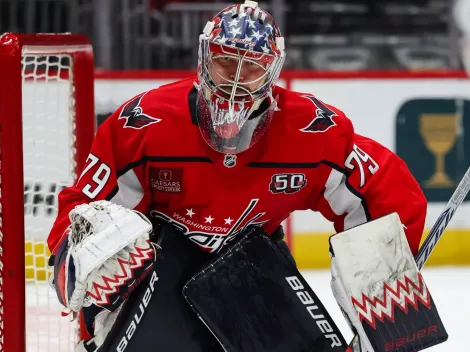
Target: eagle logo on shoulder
134,114
323,119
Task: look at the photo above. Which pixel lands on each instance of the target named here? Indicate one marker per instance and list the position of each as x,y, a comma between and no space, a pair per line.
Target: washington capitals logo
324,119
134,114
205,236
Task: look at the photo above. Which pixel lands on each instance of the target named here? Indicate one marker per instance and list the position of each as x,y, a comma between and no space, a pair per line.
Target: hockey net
46,129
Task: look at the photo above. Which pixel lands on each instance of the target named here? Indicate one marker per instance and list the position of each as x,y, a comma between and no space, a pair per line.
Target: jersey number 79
99,178
360,159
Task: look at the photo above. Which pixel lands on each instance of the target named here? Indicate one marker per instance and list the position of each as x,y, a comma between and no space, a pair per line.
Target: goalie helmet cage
47,125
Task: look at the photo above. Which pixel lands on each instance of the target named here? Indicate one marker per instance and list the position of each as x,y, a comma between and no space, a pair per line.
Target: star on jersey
134,114
214,237
190,213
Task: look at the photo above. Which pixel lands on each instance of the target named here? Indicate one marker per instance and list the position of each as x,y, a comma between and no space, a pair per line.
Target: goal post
47,125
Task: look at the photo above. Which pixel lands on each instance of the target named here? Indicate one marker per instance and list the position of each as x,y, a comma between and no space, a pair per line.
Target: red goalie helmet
241,54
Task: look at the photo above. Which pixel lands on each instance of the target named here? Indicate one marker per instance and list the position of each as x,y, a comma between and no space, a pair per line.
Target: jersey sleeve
368,181
112,172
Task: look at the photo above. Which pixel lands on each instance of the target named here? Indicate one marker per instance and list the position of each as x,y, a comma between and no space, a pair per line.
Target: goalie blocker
250,297
377,284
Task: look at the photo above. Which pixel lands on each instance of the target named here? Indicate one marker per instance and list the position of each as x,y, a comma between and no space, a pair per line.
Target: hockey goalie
171,239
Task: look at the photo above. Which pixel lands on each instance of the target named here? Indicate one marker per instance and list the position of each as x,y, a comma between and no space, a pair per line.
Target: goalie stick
439,227
443,220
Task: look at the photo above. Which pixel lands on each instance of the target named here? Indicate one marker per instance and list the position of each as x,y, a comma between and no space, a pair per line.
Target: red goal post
53,68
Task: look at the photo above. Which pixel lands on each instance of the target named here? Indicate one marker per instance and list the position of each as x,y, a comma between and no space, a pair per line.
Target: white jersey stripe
130,191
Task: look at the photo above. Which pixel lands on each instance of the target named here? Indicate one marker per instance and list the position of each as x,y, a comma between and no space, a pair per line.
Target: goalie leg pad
253,298
156,317
377,285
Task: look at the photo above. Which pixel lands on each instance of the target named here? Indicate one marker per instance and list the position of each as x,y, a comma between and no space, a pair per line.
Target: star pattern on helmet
251,23
257,35
247,38
235,31
233,22
222,39
242,30
265,49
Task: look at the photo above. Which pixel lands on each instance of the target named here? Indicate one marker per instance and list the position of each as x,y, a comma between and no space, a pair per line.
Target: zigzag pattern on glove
102,291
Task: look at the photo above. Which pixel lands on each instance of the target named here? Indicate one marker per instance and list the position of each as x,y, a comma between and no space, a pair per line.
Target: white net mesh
48,151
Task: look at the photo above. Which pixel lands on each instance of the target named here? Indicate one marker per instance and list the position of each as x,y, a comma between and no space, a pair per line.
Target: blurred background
320,34
397,68
391,66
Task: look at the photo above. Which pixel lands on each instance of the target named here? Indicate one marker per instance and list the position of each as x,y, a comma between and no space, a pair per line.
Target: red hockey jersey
150,156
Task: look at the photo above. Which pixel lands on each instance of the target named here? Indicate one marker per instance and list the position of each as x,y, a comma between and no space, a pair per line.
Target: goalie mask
241,53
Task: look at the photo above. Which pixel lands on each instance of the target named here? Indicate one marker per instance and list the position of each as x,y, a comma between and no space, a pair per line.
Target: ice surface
47,331
449,287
